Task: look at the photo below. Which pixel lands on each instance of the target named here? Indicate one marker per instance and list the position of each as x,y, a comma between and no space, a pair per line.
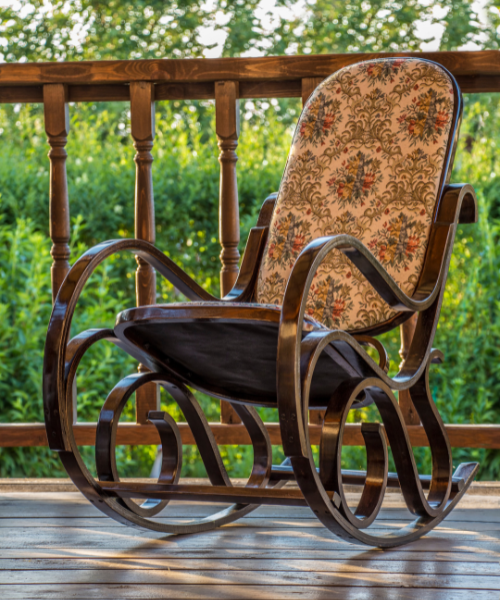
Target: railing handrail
270,76
184,70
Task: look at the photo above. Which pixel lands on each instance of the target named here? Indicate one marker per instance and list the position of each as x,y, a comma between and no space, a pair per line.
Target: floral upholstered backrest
366,160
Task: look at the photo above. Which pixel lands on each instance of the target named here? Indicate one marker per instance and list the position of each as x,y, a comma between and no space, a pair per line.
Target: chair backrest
367,159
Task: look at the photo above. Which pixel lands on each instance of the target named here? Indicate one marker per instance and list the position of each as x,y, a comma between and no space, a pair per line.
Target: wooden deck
58,546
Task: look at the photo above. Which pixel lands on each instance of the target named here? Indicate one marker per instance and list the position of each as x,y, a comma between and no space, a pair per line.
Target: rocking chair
357,240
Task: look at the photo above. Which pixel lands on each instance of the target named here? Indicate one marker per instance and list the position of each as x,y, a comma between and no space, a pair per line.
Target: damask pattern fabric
366,160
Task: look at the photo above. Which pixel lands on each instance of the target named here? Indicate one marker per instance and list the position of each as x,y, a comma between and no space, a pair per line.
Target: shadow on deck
56,545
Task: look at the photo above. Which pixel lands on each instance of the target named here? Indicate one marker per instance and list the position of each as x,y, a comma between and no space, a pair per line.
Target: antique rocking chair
357,240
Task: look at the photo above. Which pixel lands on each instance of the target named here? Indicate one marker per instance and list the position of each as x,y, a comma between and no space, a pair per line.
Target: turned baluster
57,128
309,84
406,405
142,110
227,126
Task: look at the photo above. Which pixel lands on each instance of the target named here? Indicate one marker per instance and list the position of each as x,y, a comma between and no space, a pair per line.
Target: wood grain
288,88
266,578
56,113
89,591
231,538
267,77
484,63
297,565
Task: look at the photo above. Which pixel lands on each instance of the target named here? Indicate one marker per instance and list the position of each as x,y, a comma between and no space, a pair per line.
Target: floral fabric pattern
366,160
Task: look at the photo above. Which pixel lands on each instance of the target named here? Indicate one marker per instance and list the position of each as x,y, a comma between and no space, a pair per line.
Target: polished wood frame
297,357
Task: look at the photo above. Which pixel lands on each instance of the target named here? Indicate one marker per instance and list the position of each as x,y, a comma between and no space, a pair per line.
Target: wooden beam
308,85
288,88
185,91
271,89
33,434
475,64
21,94
99,93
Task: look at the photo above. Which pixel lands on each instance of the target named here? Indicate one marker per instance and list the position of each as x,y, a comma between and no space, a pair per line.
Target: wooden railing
226,81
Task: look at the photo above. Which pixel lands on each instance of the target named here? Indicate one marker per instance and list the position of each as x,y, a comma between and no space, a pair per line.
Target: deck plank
448,565
356,579
230,537
254,522
58,546
93,591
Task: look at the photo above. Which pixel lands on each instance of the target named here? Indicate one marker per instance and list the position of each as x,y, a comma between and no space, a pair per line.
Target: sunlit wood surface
58,546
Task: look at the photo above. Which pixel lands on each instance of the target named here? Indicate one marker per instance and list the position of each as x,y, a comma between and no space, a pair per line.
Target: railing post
227,126
407,330
142,112
56,115
309,84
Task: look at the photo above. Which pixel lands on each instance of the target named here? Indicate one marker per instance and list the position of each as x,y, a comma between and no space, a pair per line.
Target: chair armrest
244,287
458,204
88,262
294,306
316,251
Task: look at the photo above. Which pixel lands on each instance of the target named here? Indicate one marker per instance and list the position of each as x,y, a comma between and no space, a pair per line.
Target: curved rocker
271,341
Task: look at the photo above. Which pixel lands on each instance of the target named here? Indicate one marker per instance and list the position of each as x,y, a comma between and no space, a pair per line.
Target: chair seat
227,350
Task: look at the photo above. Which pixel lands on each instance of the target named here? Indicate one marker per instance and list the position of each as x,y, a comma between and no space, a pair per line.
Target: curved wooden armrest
458,205
88,262
316,251
267,210
294,306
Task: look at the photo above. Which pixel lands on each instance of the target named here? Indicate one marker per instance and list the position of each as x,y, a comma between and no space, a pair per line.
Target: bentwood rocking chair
356,241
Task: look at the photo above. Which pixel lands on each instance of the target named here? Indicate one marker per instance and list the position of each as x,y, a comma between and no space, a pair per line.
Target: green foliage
361,26
43,30
186,173
92,29
25,304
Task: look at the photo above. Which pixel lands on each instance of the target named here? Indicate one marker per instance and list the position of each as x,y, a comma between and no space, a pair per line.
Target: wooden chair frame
297,358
